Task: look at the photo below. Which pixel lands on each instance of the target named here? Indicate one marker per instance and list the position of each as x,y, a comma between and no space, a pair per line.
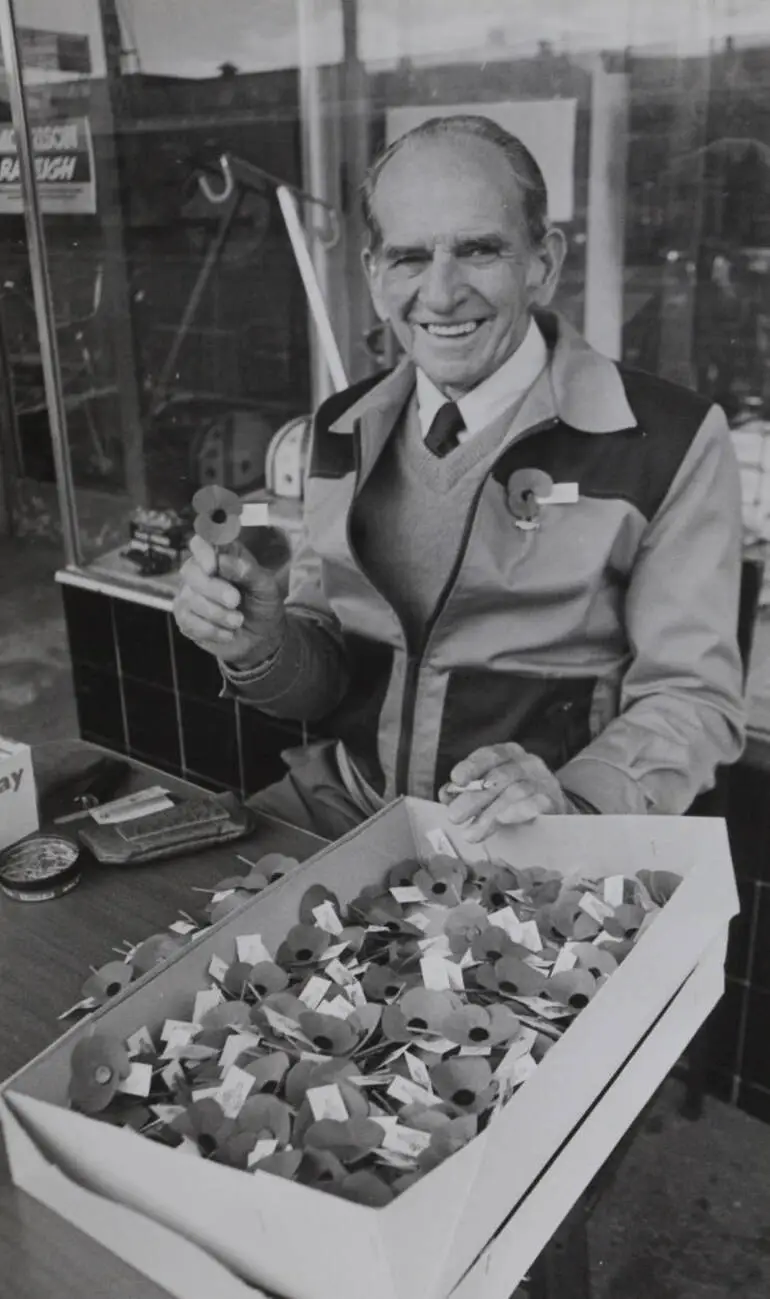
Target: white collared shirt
493,395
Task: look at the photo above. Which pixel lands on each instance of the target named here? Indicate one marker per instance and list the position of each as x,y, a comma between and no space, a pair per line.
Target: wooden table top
45,953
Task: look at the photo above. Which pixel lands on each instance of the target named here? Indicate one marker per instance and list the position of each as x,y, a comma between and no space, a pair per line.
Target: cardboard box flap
179,1266
251,1222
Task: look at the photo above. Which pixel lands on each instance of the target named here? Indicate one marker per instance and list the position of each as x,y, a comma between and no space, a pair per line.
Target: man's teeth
453,331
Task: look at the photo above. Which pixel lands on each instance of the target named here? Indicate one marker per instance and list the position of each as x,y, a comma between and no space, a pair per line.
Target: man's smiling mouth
460,330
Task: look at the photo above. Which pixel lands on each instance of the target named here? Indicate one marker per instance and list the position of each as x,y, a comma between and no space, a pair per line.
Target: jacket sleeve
681,703
307,677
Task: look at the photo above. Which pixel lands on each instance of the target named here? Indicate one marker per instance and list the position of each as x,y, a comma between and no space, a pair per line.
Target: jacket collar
580,386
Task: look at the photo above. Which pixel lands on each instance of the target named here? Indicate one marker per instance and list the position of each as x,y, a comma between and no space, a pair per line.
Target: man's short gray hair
525,169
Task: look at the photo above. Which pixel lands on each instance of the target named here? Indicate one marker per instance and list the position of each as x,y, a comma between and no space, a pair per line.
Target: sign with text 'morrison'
64,166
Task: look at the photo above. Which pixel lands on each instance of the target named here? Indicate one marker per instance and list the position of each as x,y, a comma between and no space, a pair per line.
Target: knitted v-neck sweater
409,517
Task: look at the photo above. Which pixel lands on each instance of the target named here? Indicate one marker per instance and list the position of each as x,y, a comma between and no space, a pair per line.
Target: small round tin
41,867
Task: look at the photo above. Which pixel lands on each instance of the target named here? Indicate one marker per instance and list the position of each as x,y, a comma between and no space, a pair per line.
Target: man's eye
479,254
407,260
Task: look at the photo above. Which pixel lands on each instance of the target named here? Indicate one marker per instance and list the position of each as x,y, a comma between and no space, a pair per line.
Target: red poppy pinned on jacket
217,515
98,1065
526,489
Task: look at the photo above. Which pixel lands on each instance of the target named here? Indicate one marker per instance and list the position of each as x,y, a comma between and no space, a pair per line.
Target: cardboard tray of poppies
453,1116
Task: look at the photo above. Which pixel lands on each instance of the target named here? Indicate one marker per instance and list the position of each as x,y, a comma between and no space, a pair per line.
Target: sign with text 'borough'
64,166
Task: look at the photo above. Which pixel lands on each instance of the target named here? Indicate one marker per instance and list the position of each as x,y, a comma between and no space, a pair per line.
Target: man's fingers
201,630
214,589
484,760
527,806
204,555
210,612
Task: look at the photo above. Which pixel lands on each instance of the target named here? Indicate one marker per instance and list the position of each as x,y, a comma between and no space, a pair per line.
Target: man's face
455,274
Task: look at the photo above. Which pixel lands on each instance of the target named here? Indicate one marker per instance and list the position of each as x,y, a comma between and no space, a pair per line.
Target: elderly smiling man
519,579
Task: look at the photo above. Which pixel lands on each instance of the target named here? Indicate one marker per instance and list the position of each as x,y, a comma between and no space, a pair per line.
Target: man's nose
440,282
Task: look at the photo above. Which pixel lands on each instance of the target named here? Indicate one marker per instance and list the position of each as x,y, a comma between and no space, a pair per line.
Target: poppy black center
578,1000
392,990
206,1143
304,954
392,927
595,972
478,1034
495,953
507,986
323,1042
418,1023
464,1097
498,899
439,887
259,988
218,516
271,1087
113,989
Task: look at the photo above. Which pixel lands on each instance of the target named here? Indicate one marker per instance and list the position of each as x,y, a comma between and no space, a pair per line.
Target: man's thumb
238,565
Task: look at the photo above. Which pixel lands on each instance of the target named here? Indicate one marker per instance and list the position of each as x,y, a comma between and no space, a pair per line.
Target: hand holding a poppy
228,604
516,787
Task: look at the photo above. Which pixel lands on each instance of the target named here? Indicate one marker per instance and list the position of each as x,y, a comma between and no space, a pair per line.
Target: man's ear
545,267
372,271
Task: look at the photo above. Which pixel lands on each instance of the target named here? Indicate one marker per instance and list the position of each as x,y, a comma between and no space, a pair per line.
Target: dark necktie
442,436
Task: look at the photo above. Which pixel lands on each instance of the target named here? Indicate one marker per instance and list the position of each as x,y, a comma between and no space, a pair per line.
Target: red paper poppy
463,924
265,1117
315,896
229,1014
402,874
363,1188
597,960
236,980
526,488
283,1163
494,894
157,948
661,885
441,879
217,515
266,978
573,988
303,945
268,1071
447,1140
308,1073
320,1168
512,977
205,1123
467,1084
493,944
98,1065
419,1012
625,922
350,1140
482,1026
382,984
108,981
226,906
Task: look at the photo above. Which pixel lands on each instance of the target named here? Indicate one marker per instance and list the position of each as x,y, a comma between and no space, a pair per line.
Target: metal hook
226,193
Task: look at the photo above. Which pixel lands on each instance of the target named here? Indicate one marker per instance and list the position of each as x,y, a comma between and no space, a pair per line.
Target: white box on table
18,797
472,1226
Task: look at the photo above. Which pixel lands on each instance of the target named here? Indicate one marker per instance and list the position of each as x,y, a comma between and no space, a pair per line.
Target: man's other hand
516,787
236,612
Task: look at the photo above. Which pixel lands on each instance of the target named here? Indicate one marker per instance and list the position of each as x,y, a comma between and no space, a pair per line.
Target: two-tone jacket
604,639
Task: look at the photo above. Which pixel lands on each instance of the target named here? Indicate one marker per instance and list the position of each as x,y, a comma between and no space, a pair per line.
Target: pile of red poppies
379,1037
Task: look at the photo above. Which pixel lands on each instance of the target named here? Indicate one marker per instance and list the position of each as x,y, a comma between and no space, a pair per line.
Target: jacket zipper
414,660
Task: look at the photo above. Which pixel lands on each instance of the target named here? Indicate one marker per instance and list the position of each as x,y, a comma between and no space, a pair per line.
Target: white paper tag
220,897
337,971
355,993
404,1089
614,890
205,1001
182,927
400,1140
264,1147
434,973
440,843
327,1103
109,815
327,919
233,1090
418,1070
251,949
566,960
333,953
140,1042
475,1050
419,920
235,1046
435,1045
104,813
139,1080
408,893
88,1003
255,514
530,936
167,1113
172,1073
595,908
507,920
176,1027
218,968
561,494
339,1007
314,992
281,1025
